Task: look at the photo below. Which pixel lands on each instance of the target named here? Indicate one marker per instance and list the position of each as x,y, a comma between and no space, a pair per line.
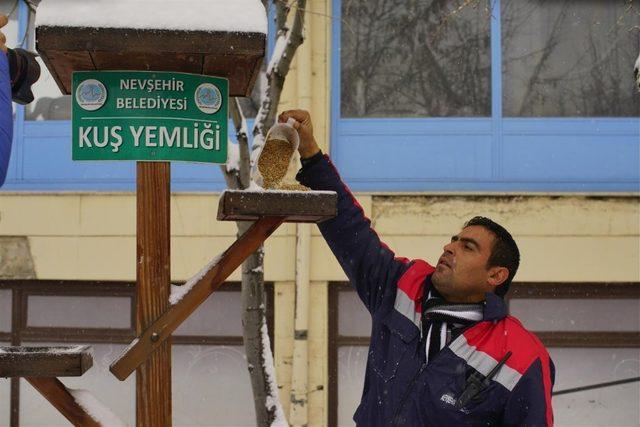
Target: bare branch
282,10
285,48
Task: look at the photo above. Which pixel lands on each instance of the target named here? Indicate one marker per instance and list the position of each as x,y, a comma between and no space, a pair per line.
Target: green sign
149,115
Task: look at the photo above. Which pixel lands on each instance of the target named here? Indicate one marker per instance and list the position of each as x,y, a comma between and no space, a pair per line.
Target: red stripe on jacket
526,348
412,281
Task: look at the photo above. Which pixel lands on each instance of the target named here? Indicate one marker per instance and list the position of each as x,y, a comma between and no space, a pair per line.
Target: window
568,58
5,311
592,332
5,393
349,332
486,95
209,372
414,59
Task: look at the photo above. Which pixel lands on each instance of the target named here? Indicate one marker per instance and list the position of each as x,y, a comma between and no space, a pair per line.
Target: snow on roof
188,15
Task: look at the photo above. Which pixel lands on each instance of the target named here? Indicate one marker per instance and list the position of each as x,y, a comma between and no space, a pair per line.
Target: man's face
462,274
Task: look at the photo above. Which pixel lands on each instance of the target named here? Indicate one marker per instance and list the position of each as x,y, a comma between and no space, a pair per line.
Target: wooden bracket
270,209
140,349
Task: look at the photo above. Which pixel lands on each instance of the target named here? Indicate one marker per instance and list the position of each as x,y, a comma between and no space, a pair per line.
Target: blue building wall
493,154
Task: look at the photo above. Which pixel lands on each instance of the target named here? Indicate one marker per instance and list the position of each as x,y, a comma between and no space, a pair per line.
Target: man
443,350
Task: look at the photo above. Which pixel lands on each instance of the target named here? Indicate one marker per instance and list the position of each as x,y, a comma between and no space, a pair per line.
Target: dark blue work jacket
400,389
6,117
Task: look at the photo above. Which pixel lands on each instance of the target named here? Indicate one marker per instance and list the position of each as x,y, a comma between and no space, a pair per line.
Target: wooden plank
598,339
58,395
60,361
244,70
150,40
295,206
571,290
152,61
211,279
153,377
232,55
62,63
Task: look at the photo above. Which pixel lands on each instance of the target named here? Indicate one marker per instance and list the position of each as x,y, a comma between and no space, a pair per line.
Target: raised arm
6,112
372,268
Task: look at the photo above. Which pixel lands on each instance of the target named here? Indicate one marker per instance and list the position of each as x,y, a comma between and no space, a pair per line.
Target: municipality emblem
208,98
91,94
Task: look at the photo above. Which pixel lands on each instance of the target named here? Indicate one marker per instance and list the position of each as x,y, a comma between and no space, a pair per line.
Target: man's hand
308,145
3,39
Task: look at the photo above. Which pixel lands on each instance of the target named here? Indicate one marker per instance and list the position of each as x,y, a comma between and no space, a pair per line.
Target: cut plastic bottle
276,156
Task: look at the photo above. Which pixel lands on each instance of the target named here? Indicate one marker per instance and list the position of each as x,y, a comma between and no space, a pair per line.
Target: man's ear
497,276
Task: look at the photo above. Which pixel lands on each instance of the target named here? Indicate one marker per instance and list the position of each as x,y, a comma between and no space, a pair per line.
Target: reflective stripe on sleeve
407,307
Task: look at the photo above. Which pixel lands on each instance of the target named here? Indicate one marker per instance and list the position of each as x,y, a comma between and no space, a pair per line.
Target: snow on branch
273,401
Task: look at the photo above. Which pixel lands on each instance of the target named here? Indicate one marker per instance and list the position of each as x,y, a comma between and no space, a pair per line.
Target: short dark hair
504,252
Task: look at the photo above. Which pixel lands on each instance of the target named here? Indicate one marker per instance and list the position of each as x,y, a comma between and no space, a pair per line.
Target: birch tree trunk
237,176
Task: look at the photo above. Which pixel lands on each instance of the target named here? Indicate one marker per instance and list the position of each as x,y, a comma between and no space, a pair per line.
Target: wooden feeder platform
40,367
269,209
295,206
233,55
66,361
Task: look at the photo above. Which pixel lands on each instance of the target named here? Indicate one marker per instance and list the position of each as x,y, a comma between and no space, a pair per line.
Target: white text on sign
206,136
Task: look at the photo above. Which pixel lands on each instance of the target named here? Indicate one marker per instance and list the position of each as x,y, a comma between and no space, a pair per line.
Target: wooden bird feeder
269,209
222,39
40,367
236,56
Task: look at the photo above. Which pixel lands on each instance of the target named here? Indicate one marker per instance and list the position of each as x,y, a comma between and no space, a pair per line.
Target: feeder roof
186,15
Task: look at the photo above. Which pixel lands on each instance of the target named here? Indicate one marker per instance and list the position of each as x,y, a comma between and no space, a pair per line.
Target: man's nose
448,248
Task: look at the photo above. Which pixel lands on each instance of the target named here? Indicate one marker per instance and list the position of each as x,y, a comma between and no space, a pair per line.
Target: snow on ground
96,409
178,292
45,350
188,15
66,350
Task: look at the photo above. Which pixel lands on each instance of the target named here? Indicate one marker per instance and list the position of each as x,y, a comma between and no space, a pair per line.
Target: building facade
433,112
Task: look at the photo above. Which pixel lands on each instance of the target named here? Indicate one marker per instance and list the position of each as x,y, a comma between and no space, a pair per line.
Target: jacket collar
494,306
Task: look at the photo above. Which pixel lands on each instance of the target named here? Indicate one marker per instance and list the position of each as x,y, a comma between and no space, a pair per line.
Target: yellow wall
82,236
92,237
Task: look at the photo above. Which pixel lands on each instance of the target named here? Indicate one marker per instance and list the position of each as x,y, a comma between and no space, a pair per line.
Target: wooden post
153,378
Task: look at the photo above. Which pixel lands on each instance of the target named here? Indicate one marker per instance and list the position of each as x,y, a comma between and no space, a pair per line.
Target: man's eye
468,247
